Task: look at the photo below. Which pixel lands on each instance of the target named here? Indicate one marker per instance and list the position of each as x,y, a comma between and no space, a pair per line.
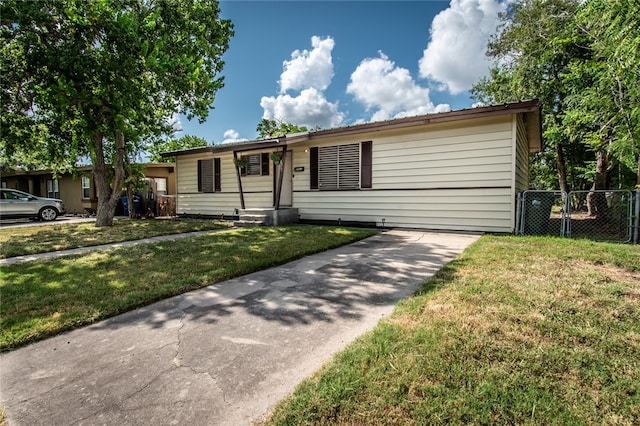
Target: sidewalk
224,354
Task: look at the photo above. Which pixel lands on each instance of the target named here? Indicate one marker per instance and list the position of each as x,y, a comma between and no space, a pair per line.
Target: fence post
564,220
518,212
636,218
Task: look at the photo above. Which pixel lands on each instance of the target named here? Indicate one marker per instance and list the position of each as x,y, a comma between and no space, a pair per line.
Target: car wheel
48,214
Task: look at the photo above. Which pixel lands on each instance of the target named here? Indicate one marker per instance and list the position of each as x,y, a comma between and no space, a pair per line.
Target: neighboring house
458,170
77,191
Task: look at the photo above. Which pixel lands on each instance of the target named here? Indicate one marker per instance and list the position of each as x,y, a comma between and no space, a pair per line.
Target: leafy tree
275,128
102,76
184,142
532,51
582,60
610,99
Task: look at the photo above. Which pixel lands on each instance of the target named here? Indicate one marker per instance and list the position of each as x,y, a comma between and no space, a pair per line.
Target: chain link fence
610,215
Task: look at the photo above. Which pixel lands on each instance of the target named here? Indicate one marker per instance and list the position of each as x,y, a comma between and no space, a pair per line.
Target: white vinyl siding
457,158
258,190
454,176
461,175
485,210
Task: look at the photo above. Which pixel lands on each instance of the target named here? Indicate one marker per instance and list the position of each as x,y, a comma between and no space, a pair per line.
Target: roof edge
241,146
528,107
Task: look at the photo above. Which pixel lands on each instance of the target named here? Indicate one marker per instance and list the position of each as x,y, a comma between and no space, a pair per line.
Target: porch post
235,157
279,188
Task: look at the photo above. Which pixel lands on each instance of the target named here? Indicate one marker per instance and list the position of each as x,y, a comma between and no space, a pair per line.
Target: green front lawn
43,298
18,241
517,330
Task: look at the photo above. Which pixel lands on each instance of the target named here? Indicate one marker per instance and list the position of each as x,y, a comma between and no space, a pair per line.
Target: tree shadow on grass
370,272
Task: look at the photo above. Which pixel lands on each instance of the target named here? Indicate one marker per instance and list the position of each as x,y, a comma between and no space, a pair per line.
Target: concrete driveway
225,354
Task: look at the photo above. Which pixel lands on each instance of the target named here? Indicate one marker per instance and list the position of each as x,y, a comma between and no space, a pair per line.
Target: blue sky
336,63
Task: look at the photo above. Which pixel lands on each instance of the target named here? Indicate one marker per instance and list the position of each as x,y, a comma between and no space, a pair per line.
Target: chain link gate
609,215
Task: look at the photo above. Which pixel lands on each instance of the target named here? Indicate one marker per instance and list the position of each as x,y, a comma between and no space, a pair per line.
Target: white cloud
455,56
231,135
309,109
175,122
310,73
391,91
309,68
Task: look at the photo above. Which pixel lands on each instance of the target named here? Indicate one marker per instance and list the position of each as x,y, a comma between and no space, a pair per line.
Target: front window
86,187
161,186
209,176
53,188
341,167
256,165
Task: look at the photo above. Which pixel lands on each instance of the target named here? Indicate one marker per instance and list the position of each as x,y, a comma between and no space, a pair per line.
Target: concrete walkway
225,354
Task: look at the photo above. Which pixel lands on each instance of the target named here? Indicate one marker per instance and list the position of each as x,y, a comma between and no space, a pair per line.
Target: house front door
286,198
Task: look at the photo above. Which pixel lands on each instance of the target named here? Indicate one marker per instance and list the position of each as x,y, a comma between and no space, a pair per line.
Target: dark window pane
217,180
205,175
313,167
253,166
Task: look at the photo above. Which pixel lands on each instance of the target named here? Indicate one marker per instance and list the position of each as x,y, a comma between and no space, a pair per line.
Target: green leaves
185,142
582,60
108,67
274,128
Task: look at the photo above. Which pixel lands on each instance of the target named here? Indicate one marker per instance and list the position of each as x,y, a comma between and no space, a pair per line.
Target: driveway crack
176,357
178,362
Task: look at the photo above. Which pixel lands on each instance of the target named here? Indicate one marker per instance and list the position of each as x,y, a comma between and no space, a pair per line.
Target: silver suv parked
14,204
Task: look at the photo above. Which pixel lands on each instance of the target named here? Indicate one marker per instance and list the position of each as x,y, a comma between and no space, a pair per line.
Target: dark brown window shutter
199,175
265,164
313,167
217,181
365,164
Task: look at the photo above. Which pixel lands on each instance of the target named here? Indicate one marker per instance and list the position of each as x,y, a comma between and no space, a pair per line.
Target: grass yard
17,241
517,330
43,298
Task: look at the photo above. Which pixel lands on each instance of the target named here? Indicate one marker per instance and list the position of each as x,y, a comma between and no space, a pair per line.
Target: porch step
266,217
248,223
254,217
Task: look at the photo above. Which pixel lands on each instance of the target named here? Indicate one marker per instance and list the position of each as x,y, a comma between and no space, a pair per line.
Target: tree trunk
562,170
108,195
597,201
130,205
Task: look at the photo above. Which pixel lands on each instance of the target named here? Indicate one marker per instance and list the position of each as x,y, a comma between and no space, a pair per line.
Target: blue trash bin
125,205
137,205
